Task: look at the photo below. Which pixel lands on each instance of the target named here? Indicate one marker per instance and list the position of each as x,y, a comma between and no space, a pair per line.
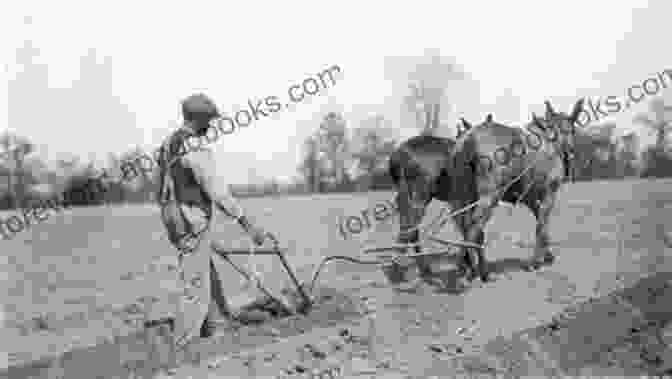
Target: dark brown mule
419,170
495,162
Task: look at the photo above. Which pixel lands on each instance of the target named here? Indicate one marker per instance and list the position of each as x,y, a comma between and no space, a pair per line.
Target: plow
158,331
381,256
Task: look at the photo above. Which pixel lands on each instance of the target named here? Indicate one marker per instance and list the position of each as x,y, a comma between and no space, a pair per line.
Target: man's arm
202,163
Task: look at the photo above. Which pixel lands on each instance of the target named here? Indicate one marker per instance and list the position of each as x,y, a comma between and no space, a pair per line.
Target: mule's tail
394,169
464,171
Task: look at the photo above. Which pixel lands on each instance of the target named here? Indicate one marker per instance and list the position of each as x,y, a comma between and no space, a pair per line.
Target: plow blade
225,253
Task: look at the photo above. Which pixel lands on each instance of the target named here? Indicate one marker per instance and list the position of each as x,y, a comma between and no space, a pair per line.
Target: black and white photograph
305,189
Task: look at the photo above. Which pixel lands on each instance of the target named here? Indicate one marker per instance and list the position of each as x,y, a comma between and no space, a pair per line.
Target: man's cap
199,107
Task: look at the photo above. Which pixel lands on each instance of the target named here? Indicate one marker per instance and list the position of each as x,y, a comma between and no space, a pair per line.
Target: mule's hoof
537,263
461,271
472,274
425,271
469,275
395,273
532,266
462,283
464,272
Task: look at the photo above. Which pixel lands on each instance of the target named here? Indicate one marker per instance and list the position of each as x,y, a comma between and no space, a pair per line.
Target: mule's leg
542,253
541,206
466,264
477,219
424,263
409,219
479,238
409,222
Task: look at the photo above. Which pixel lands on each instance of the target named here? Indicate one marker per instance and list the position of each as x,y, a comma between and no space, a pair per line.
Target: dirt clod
133,309
384,365
315,352
436,348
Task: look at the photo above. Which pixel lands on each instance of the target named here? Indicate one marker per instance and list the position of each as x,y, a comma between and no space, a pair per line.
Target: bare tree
333,143
310,167
428,78
15,149
372,143
629,153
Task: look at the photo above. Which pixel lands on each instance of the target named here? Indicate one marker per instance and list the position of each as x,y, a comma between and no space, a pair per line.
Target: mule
427,167
419,171
462,129
531,175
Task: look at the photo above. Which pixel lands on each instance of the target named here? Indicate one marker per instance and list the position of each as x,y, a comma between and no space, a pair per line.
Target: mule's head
415,191
464,128
561,128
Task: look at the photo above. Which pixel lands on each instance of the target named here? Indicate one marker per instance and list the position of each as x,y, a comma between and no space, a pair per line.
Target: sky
150,55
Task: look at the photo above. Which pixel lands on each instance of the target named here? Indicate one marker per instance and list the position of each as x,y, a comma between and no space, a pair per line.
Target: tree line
341,154
336,158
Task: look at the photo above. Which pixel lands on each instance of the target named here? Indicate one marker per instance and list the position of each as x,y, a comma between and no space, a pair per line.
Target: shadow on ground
448,281
620,333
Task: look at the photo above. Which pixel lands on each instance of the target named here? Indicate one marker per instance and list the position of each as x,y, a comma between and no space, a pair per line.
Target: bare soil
607,236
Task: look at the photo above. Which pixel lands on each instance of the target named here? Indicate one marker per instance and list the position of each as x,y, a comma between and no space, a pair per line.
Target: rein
428,232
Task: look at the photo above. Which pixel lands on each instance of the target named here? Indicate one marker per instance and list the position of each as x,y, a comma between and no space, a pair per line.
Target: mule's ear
466,123
488,118
549,109
537,121
578,107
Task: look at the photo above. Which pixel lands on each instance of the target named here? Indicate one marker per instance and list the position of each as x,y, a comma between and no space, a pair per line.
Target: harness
441,220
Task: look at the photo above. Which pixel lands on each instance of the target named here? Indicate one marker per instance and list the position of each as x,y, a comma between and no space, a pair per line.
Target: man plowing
190,188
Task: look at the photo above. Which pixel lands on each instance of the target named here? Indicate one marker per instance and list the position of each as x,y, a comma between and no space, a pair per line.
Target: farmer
190,187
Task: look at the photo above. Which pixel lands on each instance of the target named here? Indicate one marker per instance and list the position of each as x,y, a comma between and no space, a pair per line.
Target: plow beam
393,247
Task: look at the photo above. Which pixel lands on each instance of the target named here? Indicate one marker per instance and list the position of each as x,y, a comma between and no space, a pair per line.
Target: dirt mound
428,335
624,333
138,350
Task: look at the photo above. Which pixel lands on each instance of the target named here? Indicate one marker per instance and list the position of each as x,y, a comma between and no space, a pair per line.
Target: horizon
126,90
